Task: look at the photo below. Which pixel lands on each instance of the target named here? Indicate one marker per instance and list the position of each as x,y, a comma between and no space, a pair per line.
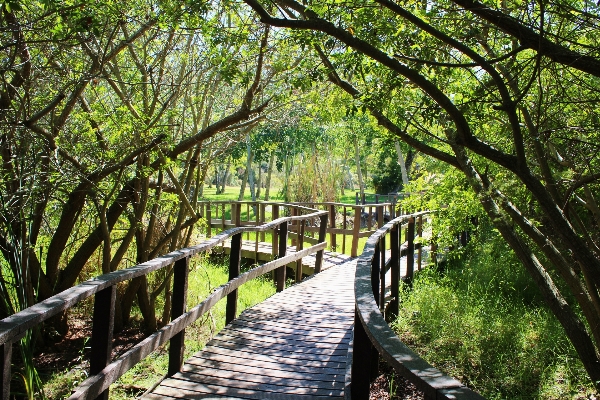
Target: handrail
102,374
373,337
347,224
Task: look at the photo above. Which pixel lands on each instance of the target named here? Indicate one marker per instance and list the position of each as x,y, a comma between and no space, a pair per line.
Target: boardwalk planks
291,346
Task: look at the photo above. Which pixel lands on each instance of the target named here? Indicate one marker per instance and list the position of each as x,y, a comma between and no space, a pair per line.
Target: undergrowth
482,320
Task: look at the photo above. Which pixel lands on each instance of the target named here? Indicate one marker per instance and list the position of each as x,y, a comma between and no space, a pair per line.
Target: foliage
483,321
439,192
503,94
387,177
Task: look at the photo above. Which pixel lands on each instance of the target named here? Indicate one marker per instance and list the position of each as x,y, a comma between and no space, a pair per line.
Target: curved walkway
293,345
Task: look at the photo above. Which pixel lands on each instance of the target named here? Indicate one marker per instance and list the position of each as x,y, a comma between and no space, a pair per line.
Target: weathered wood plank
321,349
292,346
285,341
285,352
263,368
215,351
217,377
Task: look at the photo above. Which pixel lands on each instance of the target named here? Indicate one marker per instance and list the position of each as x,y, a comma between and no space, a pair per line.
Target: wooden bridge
321,337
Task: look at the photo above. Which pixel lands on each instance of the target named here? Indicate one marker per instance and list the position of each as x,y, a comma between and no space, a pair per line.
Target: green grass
233,192
484,322
204,277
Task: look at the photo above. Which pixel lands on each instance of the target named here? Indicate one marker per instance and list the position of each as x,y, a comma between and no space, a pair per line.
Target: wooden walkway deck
293,345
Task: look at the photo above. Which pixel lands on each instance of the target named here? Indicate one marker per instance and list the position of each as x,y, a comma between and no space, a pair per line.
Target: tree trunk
250,158
259,183
252,184
269,173
358,171
401,163
226,174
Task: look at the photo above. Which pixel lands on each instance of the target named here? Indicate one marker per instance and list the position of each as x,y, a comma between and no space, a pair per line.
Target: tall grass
483,322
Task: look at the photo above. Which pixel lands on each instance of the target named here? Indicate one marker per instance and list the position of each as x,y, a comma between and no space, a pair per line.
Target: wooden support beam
299,246
102,332
375,271
410,254
322,233
6,354
235,258
382,272
280,272
178,308
208,220
355,232
394,305
420,235
332,238
362,353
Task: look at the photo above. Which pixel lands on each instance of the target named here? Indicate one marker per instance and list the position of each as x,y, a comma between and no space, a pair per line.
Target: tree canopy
113,113
506,93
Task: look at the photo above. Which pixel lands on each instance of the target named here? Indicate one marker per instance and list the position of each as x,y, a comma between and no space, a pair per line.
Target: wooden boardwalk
294,345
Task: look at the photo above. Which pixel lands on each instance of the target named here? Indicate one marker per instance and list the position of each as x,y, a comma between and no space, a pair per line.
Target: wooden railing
103,372
372,335
350,221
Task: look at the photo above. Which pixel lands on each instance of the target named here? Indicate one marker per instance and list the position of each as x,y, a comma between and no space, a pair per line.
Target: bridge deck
291,346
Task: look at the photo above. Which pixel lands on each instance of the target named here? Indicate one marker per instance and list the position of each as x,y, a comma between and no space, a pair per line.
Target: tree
112,114
505,95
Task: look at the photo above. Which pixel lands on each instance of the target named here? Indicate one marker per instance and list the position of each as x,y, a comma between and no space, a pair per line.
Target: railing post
420,234
208,220
102,331
332,235
223,215
294,227
410,255
235,258
236,214
280,272
247,217
263,212
299,246
375,280
375,271
344,227
355,232
275,239
382,275
322,233
6,354
178,306
394,305
380,211
362,353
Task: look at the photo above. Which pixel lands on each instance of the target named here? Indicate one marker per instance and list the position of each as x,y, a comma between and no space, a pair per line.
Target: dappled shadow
293,345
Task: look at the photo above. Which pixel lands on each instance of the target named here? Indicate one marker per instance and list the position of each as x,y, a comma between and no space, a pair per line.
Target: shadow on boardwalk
291,346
